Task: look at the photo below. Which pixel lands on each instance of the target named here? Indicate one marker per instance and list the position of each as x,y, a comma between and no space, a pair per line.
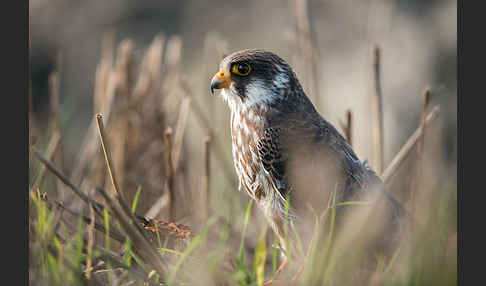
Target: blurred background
418,41
166,52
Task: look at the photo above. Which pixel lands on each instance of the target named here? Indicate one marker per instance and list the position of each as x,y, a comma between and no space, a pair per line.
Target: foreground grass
426,258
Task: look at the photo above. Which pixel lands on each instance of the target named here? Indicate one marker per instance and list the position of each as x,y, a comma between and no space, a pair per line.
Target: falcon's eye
241,69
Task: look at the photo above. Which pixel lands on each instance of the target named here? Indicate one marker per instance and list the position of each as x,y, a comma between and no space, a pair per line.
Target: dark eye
241,69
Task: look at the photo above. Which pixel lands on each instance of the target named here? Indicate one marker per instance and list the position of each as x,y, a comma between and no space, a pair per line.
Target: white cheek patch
257,94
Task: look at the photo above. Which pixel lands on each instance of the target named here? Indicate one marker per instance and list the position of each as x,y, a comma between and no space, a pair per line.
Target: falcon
287,157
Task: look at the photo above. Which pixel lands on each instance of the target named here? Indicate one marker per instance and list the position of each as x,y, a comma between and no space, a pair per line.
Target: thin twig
184,109
170,173
66,181
377,108
113,233
117,194
124,215
106,151
415,184
135,232
395,164
427,94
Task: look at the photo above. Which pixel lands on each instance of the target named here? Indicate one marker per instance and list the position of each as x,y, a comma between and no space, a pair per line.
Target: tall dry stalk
118,131
170,174
175,150
180,127
124,214
377,112
104,92
400,157
307,53
108,157
416,181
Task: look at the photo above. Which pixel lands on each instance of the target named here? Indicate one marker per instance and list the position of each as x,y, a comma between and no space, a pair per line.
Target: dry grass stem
133,229
168,198
377,111
130,221
89,145
107,81
179,134
54,99
415,185
66,181
427,94
150,71
119,125
109,161
107,47
114,234
170,173
400,157
306,50
161,203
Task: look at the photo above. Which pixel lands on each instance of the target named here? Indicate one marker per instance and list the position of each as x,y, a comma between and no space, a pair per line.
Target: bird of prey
283,150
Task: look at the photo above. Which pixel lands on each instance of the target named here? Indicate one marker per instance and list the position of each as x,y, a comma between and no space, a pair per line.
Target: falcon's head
255,78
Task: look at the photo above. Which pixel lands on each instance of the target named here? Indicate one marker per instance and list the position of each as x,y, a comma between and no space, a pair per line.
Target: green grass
427,259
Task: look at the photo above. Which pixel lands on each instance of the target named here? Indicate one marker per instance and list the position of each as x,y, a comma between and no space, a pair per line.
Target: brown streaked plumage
282,147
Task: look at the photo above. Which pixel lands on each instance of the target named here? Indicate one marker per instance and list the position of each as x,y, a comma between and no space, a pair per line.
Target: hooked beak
220,80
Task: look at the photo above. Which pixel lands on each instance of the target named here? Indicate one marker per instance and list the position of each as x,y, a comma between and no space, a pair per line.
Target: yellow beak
220,80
